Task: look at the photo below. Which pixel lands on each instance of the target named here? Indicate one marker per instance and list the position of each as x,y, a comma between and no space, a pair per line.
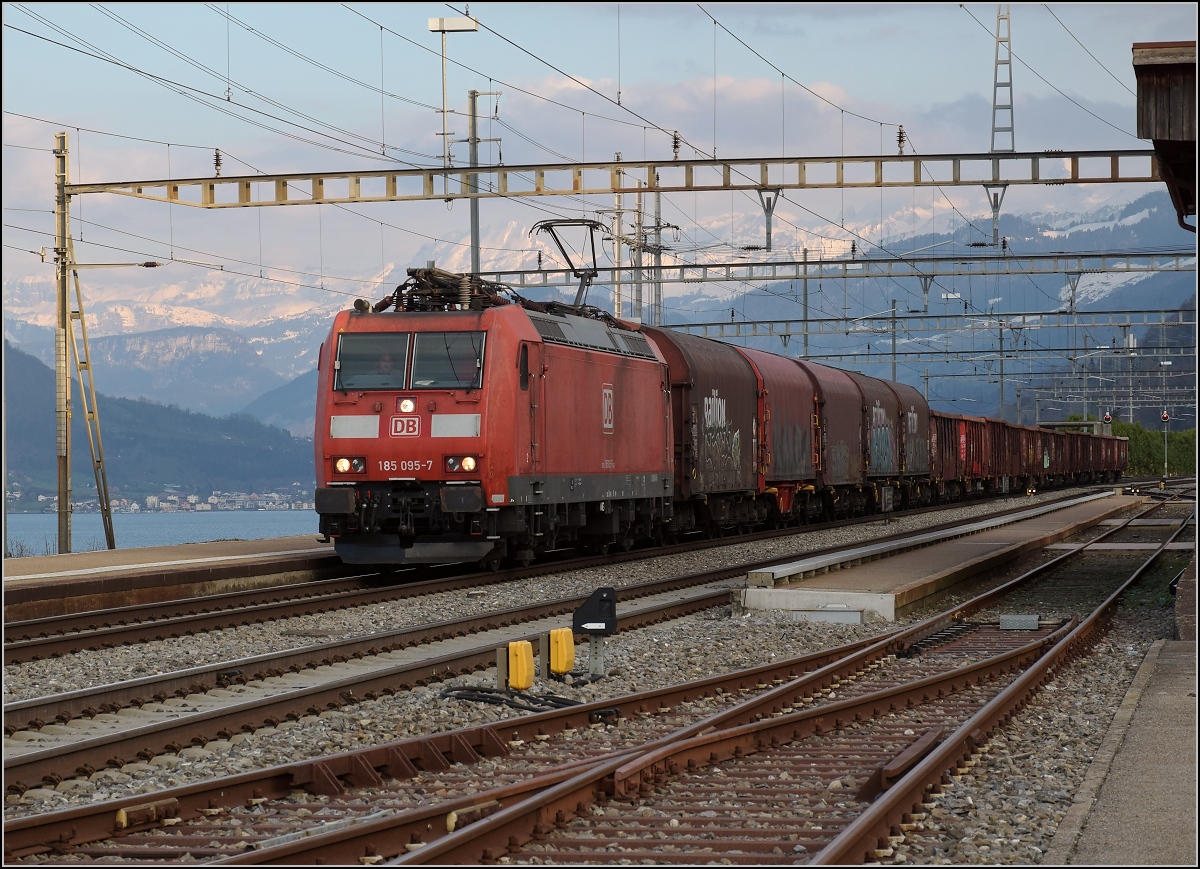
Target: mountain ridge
148,446
250,336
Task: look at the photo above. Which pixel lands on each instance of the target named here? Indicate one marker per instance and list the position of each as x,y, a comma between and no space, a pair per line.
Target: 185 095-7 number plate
406,465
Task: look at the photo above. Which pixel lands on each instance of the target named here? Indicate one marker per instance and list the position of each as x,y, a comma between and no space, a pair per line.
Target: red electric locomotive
460,426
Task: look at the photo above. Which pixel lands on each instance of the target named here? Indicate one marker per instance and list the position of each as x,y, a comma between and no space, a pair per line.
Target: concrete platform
47,585
1137,804
890,586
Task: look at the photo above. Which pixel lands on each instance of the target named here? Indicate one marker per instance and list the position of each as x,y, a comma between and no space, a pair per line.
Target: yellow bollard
520,665
562,650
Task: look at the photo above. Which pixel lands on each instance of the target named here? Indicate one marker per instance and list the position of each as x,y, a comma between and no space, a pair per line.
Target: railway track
37,639
609,751
50,737
260,693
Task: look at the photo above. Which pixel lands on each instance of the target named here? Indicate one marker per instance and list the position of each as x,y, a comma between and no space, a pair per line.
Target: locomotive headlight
461,463
407,405
350,465
342,466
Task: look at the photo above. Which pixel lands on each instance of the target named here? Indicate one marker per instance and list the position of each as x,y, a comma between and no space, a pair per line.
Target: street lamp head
453,25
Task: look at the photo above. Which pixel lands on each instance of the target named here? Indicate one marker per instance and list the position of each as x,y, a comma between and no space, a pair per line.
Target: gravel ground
1006,811
108,666
690,648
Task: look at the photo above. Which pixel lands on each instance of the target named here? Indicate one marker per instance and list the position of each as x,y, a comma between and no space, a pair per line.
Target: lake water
37,533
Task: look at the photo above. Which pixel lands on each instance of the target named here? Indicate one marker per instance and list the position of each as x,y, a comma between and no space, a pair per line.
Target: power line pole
893,340
656,312
636,312
473,141
62,376
1003,415
473,177
618,301
1003,82
804,284
444,26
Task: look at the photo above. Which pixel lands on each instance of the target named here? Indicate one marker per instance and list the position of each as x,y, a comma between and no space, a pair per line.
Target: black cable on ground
515,699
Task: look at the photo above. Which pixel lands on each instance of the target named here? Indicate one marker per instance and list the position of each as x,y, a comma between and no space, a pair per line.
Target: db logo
606,407
406,426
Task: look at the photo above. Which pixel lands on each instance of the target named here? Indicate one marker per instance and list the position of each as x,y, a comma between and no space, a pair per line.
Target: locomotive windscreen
371,361
448,360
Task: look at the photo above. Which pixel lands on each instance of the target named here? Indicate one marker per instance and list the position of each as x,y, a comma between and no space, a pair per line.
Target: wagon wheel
627,543
491,562
604,548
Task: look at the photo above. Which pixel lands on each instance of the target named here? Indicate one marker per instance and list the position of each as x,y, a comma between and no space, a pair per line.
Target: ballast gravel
107,666
1005,811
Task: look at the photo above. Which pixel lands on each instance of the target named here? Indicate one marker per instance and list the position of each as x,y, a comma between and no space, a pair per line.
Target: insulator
464,292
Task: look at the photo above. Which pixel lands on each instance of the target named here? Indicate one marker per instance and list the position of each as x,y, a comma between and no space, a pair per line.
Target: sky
148,91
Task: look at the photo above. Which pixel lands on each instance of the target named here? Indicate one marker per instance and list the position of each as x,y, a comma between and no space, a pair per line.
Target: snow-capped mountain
149,334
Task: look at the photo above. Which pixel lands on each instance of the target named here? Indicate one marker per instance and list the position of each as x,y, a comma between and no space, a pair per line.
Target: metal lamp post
1166,417
444,26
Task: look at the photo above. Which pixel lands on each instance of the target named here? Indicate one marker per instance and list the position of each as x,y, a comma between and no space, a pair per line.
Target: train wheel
490,563
627,543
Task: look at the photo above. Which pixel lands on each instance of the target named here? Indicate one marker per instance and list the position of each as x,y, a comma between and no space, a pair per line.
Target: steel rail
27,830
859,841
20,632
88,823
87,702
35,712
55,763
502,830
121,626
487,839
